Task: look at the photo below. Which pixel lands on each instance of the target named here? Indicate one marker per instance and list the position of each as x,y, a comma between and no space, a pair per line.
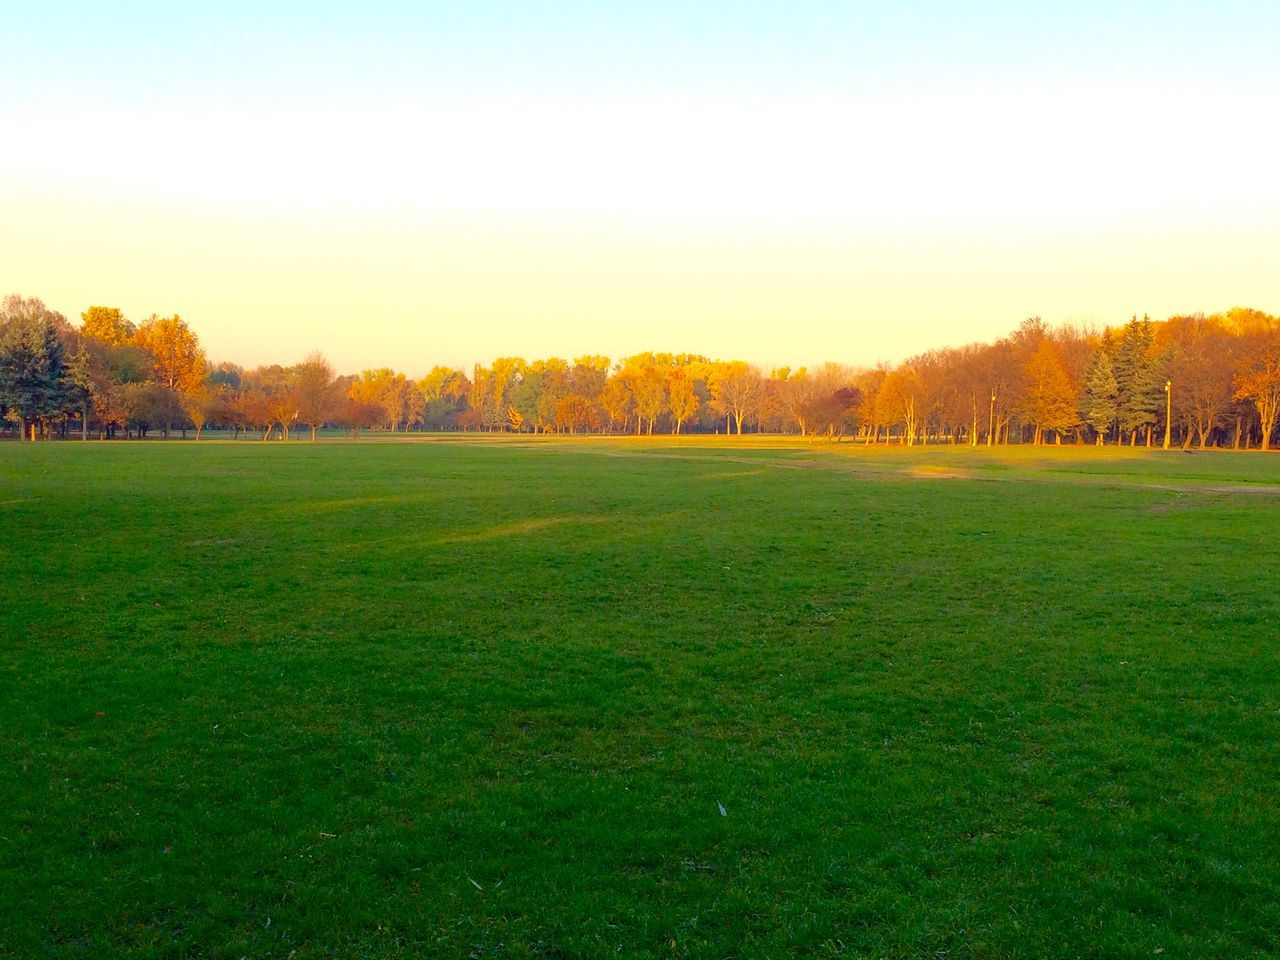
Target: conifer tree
1139,389
1098,395
32,371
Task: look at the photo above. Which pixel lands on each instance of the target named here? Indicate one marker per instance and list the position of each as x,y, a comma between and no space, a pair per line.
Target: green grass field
637,698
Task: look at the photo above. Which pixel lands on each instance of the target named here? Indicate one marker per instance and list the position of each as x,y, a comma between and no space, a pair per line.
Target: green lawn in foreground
487,699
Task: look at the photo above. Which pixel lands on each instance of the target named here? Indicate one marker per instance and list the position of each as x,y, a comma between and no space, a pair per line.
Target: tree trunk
314,427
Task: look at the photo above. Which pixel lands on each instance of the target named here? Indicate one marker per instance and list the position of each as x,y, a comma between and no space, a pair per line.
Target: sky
406,184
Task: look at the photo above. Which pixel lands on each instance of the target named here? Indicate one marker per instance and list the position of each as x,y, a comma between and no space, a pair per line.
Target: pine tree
1098,395
32,372
1139,390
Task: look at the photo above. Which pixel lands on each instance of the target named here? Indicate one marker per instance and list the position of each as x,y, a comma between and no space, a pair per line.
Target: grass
489,700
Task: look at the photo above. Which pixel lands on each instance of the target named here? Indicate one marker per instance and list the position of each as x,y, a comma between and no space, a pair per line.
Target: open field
644,697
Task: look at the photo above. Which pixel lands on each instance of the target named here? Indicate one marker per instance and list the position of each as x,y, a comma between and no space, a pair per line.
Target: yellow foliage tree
682,398
179,362
1050,400
106,325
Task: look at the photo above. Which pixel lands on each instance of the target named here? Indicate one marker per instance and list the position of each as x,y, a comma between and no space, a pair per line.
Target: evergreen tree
1098,396
1139,389
32,372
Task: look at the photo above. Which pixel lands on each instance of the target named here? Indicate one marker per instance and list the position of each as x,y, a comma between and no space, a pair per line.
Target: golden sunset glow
788,192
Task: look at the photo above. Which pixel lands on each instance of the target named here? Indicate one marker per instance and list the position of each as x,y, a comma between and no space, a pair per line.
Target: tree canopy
1037,384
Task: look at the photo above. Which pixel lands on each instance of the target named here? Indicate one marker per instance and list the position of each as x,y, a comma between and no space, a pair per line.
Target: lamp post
1168,411
991,418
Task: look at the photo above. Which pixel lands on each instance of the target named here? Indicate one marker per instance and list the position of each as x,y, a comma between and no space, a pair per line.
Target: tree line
1207,380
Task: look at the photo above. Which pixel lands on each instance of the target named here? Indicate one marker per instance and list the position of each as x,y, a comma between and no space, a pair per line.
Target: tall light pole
991,418
1168,411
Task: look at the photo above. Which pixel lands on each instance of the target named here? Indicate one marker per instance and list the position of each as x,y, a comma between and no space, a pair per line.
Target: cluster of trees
1210,380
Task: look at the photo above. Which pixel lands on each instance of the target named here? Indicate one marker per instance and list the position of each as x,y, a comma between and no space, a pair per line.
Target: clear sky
410,183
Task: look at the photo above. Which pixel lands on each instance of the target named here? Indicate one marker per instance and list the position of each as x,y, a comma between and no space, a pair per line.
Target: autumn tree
898,401
682,398
1050,400
648,387
736,391
270,398
868,384
354,412
315,393
1259,382
574,412
386,389
792,392
588,376
616,401
177,359
200,404
833,399
1202,358
178,363
444,394
106,325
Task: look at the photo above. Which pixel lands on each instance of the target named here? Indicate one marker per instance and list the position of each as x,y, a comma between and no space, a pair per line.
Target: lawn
652,698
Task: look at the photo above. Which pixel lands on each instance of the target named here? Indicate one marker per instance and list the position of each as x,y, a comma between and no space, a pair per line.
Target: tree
682,398
200,404
616,401
833,399
107,325
897,401
32,372
150,405
1098,396
444,395
1050,399
1259,382
1139,387
356,414
315,392
80,386
792,393
269,398
386,389
736,391
178,363
574,413
650,392
178,360
588,376
1202,356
